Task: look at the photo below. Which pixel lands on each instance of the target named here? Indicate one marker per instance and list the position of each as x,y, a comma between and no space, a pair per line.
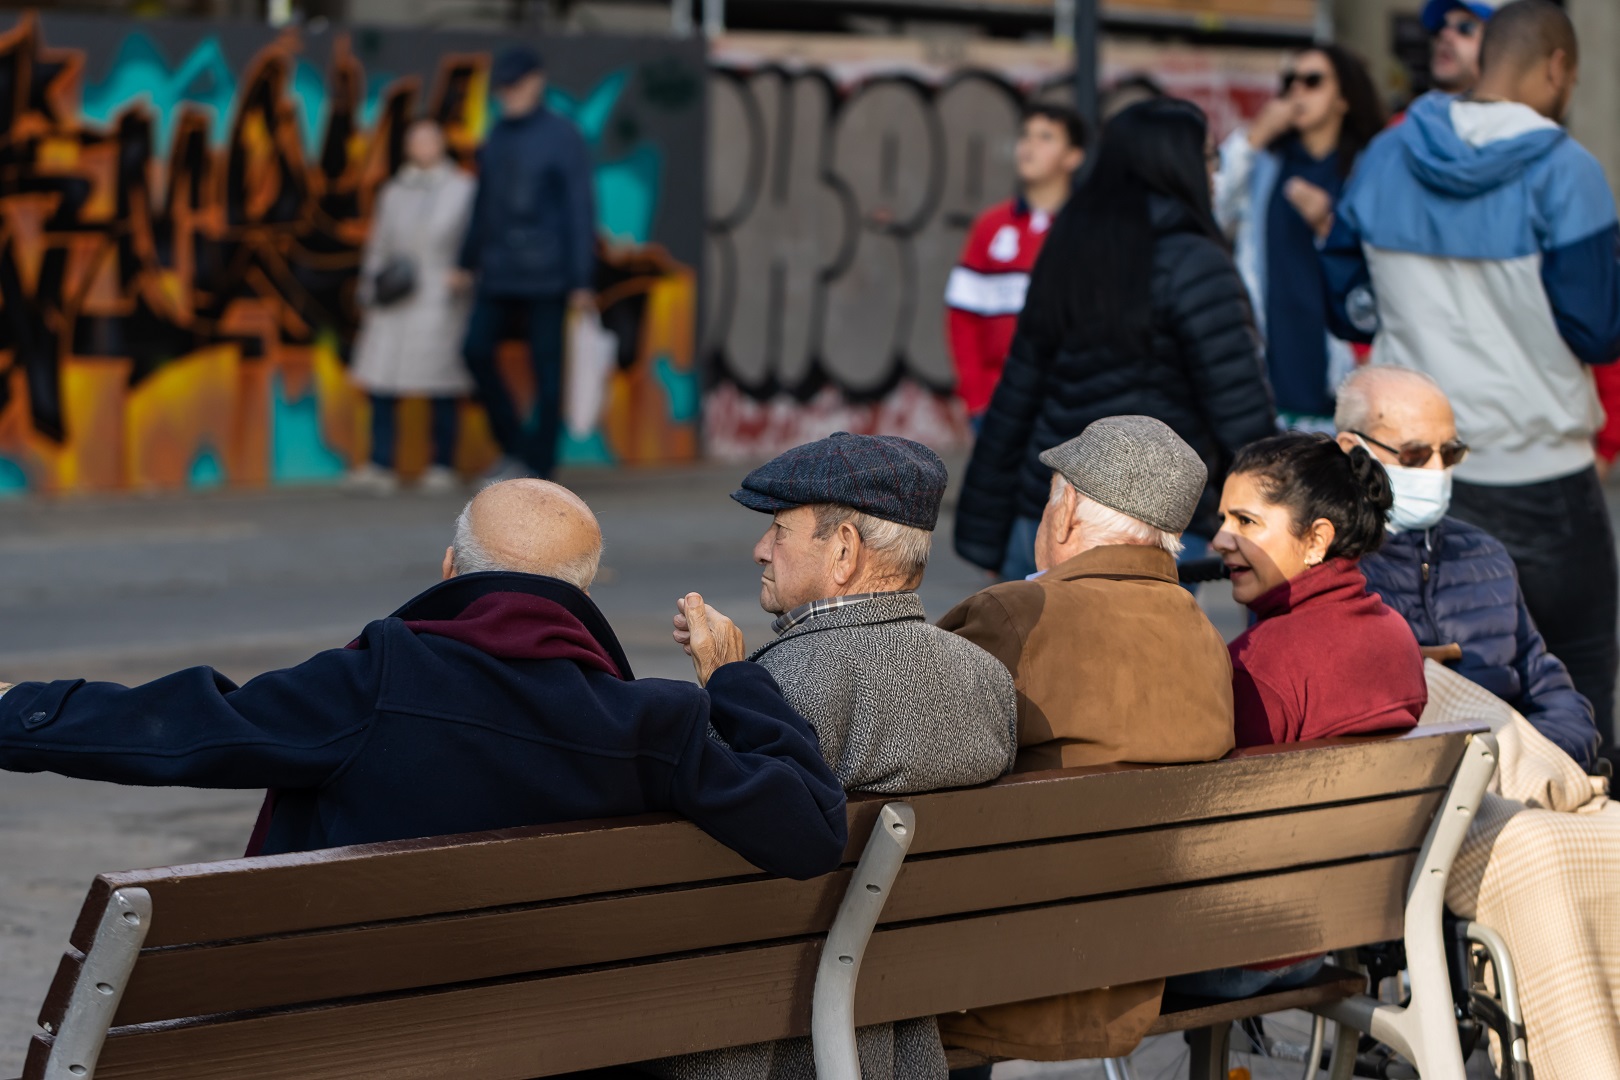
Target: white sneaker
438,480
370,479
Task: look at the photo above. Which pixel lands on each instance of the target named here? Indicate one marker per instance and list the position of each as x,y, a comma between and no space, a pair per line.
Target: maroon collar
1330,582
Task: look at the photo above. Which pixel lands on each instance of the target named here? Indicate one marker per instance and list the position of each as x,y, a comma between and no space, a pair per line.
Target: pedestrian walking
985,291
1135,308
414,313
529,255
1274,193
1477,241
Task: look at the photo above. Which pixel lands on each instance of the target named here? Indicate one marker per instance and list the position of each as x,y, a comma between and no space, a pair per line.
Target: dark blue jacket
533,226
410,734
1456,584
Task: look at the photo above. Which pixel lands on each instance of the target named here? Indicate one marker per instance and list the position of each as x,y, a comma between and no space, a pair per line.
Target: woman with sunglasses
1274,193
1455,584
1134,308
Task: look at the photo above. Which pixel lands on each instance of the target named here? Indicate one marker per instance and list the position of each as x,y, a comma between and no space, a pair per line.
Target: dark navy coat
409,734
1456,584
533,226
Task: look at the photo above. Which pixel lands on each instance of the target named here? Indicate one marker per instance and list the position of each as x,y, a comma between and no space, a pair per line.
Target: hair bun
1372,479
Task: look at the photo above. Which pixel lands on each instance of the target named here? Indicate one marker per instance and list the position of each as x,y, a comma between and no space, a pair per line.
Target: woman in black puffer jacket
1134,308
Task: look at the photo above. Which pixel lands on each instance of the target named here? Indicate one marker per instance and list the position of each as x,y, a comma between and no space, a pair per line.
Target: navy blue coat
533,226
1456,584
412,734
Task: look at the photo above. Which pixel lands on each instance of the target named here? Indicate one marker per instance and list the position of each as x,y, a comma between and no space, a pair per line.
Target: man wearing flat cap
899,705
1114,662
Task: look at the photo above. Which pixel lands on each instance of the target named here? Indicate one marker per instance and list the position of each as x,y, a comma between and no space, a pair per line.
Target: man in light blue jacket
1477,243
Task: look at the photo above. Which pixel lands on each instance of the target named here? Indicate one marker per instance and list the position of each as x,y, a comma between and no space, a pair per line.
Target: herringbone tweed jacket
900,706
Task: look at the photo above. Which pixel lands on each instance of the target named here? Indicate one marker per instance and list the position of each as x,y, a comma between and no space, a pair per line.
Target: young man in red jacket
985,292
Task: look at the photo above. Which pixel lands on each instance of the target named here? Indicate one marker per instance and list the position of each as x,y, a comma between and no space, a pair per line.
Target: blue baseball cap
514,62
1435,11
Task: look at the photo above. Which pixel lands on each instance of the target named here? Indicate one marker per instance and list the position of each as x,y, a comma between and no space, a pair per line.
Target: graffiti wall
839,202
181,219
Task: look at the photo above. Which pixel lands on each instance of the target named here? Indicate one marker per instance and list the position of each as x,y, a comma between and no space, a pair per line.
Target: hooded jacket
490,701
1204,375
1477,243
1455,584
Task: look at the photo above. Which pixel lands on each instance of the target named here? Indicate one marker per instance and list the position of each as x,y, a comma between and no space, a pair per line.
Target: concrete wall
1597,98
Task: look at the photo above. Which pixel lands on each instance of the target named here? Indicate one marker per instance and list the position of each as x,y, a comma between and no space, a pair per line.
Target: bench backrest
525,953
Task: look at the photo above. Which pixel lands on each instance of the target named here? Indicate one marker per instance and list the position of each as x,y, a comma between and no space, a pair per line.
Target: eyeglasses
1310,80
1463,24
1415,455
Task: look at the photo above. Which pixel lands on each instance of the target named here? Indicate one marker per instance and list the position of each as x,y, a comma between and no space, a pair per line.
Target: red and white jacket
985,293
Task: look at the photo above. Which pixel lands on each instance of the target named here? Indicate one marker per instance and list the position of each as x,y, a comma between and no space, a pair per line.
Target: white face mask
1422,497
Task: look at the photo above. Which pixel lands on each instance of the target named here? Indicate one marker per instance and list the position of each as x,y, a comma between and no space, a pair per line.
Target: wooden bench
529,952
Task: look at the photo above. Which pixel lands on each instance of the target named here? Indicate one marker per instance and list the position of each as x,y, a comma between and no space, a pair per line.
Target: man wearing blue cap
1457,26
899,705
530,253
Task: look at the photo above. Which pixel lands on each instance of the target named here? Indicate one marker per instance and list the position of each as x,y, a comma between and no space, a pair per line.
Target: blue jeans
1230,984
385,430
1019,562
540,321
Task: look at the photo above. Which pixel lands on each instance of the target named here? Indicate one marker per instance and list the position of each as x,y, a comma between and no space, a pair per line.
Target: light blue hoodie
1477,242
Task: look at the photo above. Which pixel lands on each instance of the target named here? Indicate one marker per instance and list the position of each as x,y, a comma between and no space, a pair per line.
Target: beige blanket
1541,865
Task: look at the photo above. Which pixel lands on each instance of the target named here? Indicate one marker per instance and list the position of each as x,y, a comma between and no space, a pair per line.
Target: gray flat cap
1136,465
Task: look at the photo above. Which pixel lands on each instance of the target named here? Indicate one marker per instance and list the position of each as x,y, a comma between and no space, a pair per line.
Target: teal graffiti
298,454
141,75
626,189
13,481
680,388
206,471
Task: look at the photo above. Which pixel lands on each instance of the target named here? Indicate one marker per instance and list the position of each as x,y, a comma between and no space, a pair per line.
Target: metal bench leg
100,986
1425,1031
1211,1052
832,1016
1118,1069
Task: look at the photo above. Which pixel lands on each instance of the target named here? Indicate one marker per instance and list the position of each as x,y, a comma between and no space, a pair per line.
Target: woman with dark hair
1326,657
1274,192
1134,308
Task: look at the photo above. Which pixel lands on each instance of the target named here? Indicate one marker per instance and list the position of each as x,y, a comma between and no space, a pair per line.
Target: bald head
528,526
1529,54
1395,406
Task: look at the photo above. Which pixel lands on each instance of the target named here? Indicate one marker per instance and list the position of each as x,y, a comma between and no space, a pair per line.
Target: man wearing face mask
1455,585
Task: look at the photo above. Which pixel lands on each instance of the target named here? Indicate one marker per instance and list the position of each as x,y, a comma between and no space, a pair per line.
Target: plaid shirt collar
807,611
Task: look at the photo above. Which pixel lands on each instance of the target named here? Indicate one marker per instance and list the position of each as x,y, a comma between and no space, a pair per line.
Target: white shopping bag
592,355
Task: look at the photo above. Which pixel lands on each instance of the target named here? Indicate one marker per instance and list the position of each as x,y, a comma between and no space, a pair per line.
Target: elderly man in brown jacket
1113,661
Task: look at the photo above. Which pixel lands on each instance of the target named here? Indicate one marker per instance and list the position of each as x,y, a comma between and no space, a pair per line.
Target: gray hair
901,550
1357,392
467,556
1106,527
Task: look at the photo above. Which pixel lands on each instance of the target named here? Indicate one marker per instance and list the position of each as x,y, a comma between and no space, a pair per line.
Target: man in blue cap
899,705
1457,26
530,253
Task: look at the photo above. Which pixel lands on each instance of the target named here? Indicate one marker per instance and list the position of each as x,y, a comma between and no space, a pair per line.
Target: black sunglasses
1415,455
1310,80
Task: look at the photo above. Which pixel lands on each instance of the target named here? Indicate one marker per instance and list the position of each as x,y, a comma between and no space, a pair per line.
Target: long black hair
1314,477
1364,115
1091,282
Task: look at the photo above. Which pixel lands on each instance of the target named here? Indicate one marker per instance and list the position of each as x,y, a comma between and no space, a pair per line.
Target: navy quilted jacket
1456,583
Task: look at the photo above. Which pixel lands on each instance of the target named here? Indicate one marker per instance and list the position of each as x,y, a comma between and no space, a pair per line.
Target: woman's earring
1313,560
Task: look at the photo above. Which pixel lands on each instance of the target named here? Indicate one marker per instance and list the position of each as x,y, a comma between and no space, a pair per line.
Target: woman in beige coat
410,344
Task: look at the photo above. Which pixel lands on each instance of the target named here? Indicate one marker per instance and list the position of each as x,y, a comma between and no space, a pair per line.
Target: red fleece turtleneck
1326,658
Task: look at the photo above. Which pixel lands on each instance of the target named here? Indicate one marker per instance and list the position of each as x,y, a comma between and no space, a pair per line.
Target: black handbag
394,282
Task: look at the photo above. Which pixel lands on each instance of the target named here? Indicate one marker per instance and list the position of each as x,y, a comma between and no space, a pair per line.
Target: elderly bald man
1455,584
497,698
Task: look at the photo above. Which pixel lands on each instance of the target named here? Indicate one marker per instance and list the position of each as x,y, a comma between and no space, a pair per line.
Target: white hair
1359,390
469,557
1103,526
901,550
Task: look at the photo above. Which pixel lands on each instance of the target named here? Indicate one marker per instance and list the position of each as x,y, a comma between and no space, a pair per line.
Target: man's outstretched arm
195,728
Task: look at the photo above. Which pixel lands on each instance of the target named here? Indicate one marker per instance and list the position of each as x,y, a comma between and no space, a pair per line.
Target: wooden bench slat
177,983
352,886
537,1027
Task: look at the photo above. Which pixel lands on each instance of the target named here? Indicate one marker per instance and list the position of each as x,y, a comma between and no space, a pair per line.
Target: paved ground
131,589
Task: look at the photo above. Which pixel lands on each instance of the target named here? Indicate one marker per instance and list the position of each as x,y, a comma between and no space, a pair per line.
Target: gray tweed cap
883,475
1136,465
